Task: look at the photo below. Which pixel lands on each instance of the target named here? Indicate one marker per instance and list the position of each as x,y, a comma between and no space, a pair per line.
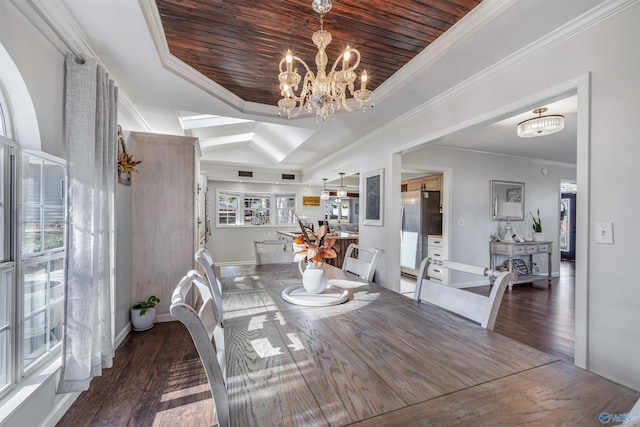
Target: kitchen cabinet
425,183
435,251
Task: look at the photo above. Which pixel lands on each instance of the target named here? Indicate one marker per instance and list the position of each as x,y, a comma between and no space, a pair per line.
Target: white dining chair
203,257
279,251
475,307
205,328
365,264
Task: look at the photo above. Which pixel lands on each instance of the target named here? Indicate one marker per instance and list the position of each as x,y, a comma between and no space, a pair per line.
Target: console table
525,251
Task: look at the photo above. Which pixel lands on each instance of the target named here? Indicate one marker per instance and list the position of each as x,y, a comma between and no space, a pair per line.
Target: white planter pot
538,236
142,322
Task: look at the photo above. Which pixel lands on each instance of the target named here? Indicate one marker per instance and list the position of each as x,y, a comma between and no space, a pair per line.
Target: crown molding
565,32
462,30
511,156
190,74
70,31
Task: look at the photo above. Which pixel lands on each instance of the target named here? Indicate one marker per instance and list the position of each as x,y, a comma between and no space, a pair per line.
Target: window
338,210
255,209
7,266
286,209
3,131
32,257
6,323
42,219
43,304
227,208
42,205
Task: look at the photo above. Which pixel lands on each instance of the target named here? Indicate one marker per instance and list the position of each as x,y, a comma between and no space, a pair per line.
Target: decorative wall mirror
507,200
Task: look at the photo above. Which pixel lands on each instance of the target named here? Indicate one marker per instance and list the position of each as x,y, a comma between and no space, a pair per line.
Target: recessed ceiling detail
237,42
233,139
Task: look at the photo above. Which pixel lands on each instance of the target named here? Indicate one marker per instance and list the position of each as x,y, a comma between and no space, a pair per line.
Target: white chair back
203,257
206,331
476,307
365,264
278,251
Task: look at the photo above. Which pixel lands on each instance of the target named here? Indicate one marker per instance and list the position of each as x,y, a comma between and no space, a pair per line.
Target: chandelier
342,190
541,125
321,92
324,194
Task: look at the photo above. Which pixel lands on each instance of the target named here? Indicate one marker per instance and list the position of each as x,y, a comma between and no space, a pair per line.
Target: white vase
538,236
142,322
314,279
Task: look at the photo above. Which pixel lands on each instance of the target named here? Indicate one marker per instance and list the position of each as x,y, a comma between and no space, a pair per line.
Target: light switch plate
604,233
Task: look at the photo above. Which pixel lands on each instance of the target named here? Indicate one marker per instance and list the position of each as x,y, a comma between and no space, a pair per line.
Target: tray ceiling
239,43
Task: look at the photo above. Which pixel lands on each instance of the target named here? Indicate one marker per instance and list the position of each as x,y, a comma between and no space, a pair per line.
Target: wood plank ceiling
239,43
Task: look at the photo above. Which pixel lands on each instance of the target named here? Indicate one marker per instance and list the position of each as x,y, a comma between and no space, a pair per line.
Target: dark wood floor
538,315
157,378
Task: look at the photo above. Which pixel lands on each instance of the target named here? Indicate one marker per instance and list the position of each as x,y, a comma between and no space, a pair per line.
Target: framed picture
373,186
514,195
310,200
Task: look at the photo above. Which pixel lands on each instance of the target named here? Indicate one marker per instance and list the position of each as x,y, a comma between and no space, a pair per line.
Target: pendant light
342,190
324,194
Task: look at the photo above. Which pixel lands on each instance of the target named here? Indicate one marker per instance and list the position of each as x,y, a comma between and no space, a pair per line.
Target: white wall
41,67
235,244
607,50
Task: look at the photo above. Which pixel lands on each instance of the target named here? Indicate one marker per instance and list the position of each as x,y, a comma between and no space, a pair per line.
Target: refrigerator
421,216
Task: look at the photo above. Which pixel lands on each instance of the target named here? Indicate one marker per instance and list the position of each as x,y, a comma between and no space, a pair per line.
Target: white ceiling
253,136
500,137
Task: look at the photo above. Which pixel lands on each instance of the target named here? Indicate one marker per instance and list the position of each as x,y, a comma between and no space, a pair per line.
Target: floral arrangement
126,161
314,247
537,224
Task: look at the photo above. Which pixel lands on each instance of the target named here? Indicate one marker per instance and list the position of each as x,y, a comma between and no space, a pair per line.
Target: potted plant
537,228
143,313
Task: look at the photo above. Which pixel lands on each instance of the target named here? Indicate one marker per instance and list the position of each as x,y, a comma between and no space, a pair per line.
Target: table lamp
509,210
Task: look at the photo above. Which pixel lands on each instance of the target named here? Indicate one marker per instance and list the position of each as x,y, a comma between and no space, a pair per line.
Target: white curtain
91,135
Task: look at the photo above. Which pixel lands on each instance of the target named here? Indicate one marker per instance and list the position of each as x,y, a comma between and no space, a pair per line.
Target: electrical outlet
604,233
461,222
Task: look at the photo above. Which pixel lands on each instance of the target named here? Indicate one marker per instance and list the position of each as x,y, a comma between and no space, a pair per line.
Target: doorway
568,208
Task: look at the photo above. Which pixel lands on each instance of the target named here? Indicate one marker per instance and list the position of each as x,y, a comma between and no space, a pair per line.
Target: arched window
32,294
3,127
5,123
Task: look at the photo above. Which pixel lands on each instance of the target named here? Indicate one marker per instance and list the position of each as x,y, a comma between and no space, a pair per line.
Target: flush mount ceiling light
322,92
541,125
342,190
324,194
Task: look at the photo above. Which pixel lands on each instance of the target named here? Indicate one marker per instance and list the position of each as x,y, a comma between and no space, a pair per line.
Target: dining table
383,359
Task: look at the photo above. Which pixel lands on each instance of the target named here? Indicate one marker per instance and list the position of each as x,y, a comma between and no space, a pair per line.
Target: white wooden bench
475,307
